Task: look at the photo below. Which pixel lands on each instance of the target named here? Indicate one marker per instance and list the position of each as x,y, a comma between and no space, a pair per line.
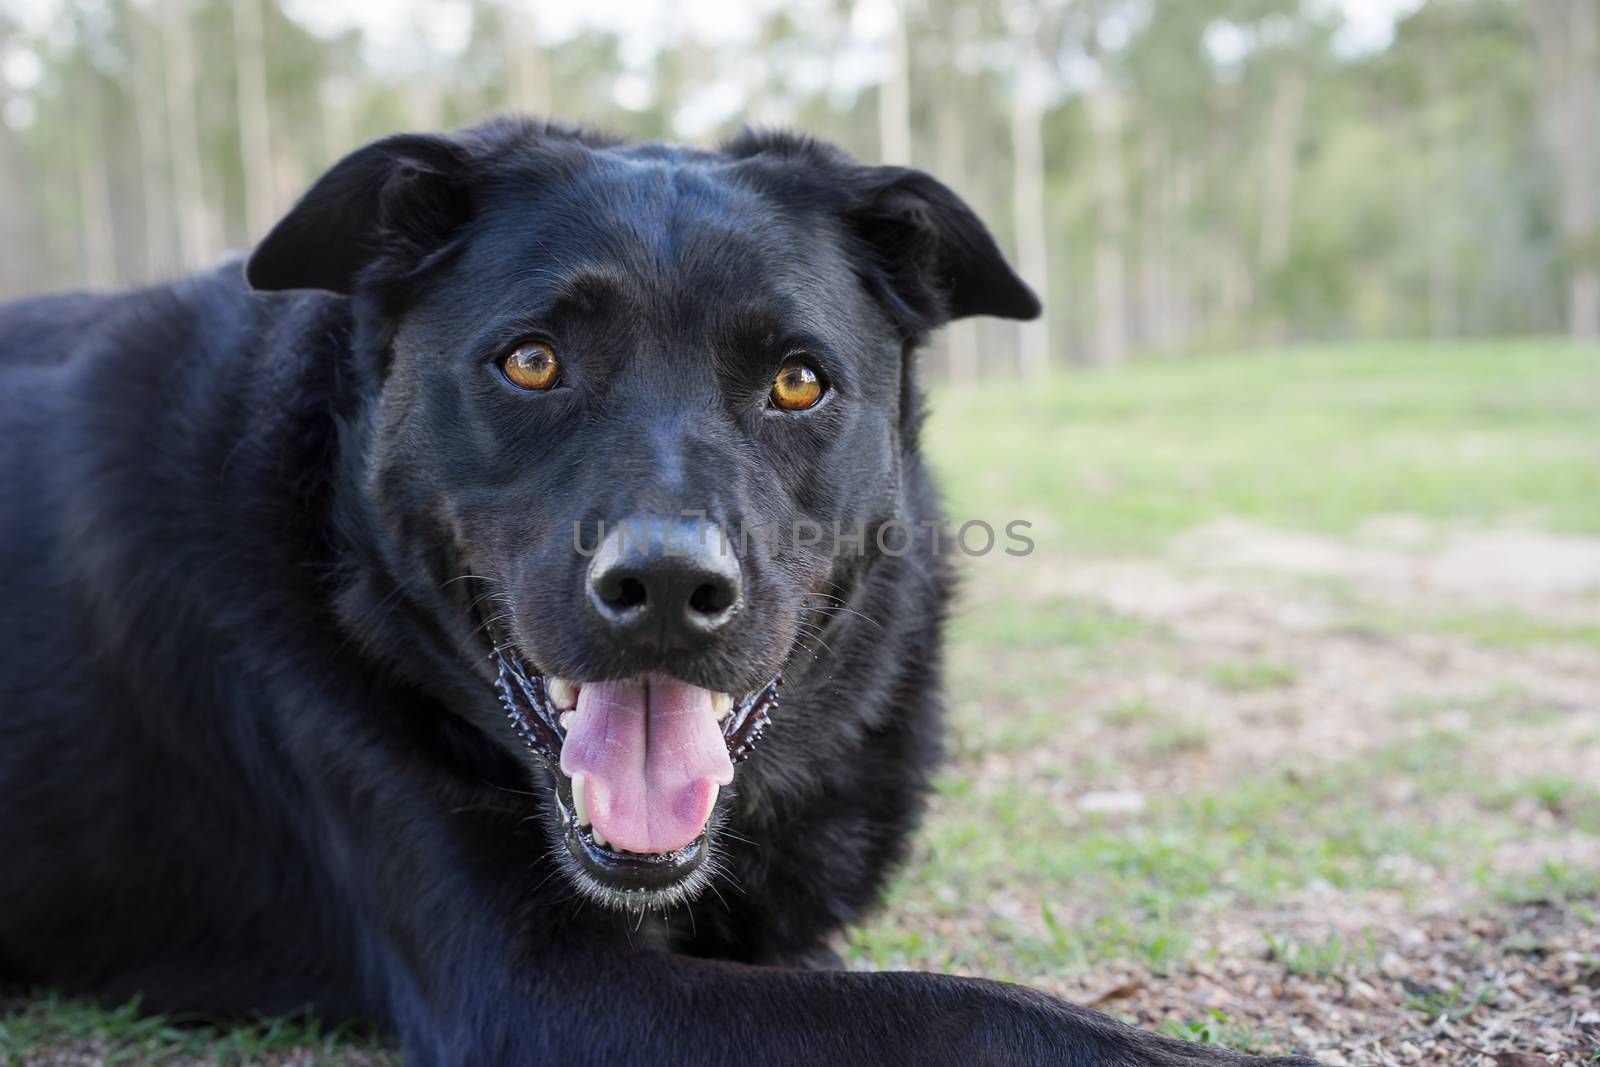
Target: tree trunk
1155,323
423,94
894,95
1027,196
150,127
94,188
1282,165
336,99
197,242
1439,212
529,67
1180,242
961,336
1111,212
255,120
1567,33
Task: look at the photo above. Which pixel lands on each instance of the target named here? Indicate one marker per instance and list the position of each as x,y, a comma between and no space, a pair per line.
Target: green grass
1318,440
1130,712
1135,883
1452,1003
1330,956
1315,439
1170,738
1574,802
1553,881
1217,1029
1503,628
1053,623
125,1035
1249,843
1508,629
1253,676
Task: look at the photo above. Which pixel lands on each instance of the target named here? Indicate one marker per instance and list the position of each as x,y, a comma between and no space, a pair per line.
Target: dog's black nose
664,583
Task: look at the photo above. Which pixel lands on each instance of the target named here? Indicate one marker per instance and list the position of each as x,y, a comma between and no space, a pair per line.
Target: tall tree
96,227
148,90
529,68
1568,36
255,122
1034,28
951,145
1281,164
1106,110
894,95
198,239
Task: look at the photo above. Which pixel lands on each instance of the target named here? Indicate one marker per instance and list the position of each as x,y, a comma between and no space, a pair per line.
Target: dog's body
253,754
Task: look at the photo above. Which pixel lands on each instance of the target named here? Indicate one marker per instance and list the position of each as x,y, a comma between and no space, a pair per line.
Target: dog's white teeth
721,704
711,805
599,838
580,803
563,694
566,718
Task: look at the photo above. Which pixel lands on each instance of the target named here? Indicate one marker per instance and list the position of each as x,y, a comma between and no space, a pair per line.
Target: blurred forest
1174,175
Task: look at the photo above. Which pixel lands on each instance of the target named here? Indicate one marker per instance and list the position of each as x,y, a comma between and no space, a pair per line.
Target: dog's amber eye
797,387
532,365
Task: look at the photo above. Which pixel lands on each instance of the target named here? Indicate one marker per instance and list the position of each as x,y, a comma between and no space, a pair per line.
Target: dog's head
634,412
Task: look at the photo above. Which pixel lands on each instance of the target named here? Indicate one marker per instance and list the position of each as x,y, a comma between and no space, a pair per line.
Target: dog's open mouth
640,764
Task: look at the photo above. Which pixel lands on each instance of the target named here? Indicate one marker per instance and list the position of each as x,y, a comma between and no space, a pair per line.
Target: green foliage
1283,188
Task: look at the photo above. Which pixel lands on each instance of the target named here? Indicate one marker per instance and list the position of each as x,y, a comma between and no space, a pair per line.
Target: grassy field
1312,439
1286,736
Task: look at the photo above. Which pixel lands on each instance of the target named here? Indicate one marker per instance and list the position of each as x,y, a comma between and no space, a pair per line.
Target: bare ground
1266,653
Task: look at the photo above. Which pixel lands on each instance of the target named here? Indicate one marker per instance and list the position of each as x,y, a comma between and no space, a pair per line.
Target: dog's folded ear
392,203
932,258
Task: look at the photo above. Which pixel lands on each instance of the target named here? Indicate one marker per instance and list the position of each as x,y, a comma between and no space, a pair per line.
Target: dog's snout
664,584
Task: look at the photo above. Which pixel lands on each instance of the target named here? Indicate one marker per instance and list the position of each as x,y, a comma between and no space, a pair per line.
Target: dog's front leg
614,1006
479,955
472,976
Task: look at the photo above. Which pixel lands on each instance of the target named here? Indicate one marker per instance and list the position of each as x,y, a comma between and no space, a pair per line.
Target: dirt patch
1274,653
1408,557
1436,990
1276,648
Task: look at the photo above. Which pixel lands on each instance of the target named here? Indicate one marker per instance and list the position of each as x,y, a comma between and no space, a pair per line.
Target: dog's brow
586,289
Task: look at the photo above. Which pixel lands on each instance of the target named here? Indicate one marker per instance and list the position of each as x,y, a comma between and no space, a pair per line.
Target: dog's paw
1157,1051
1206,1056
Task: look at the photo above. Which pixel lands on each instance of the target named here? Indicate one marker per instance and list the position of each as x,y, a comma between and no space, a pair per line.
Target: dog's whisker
483,598
468,577
486,623
832,612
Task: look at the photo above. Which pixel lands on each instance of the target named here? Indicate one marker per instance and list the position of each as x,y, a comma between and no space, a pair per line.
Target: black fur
251,757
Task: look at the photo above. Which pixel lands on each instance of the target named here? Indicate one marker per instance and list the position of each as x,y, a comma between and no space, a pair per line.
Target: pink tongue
652,755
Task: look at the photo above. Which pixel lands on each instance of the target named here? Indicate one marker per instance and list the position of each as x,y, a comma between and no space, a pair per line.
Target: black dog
330,678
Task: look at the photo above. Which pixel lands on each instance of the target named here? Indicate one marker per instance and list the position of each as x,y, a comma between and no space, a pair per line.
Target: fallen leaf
1117,992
